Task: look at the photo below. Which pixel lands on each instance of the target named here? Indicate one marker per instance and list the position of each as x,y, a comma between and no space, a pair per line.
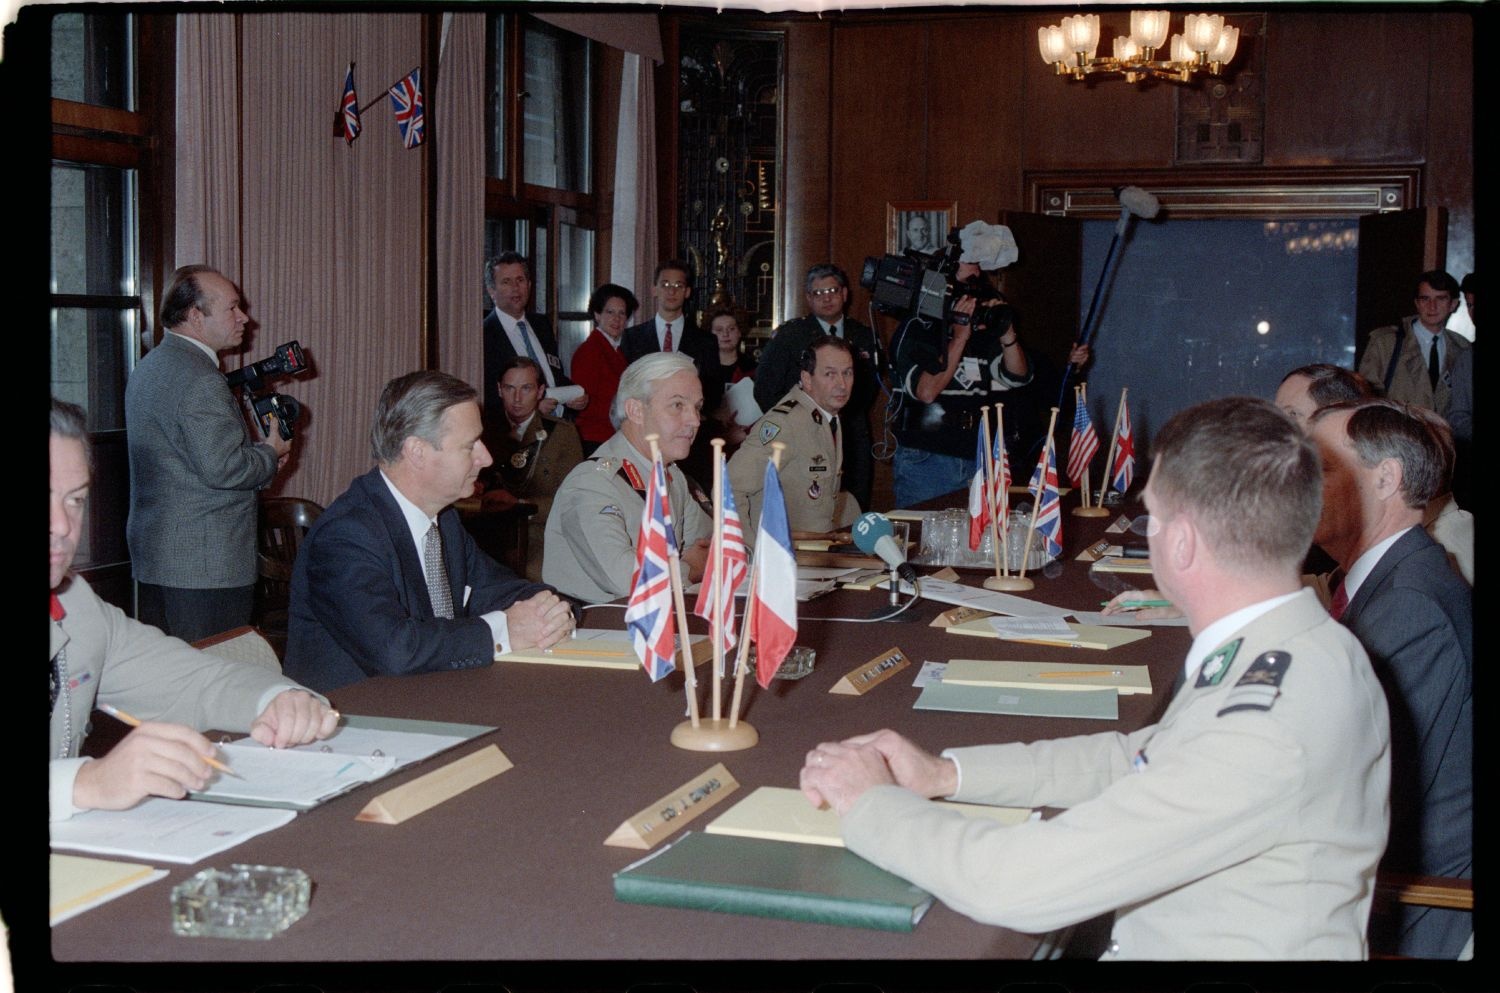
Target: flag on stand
1083,445
773,605
1001,474
724,576
1049,512
649,613
979,505
1123,472
349,108
406,104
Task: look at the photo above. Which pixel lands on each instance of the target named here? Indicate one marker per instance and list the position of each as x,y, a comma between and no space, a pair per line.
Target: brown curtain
458,143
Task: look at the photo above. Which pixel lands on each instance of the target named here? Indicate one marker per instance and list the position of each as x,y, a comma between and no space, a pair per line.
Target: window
539,197
97,312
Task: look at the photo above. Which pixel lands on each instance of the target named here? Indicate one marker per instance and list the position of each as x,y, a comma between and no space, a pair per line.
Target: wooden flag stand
999,515
1085,509
715,734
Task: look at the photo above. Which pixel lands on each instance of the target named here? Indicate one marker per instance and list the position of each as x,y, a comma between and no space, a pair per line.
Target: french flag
773,608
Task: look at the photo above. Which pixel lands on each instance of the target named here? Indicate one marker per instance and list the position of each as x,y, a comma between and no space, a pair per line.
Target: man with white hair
589,552
944,379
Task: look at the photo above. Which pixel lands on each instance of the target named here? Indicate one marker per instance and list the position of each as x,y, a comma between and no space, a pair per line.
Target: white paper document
405,747
981,599
1126,620
181,831
1033,627
291,777
931,672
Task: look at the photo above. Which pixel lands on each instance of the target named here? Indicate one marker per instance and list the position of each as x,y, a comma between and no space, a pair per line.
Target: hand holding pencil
155,759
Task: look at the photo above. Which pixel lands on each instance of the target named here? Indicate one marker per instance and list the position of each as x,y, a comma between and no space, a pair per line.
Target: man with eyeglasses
826,290
510,331
671,328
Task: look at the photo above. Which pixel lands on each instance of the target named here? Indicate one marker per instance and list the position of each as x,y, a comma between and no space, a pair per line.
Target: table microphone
872,535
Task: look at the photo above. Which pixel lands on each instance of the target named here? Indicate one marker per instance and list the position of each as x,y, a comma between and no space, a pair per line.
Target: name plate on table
959,615
426,792
864,678
657,821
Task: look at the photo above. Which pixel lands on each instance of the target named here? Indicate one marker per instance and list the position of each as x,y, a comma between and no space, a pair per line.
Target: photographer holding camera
945,376
194,467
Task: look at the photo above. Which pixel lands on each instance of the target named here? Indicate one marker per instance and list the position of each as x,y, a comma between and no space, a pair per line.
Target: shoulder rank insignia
604,465
1216,665
768,430
785,407
1259,687
631,476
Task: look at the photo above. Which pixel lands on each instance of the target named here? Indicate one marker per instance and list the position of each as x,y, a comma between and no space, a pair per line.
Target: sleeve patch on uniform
768,430
611,509
1259,687
1216,665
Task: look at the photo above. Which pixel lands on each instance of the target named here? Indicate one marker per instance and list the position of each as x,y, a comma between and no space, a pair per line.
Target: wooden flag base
1091,512
1008,583
713,734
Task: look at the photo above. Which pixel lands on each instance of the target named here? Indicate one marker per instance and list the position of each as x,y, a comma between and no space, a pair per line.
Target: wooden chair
1421,891
283,523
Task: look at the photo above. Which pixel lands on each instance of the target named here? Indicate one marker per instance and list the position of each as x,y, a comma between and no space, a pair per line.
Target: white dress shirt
513,333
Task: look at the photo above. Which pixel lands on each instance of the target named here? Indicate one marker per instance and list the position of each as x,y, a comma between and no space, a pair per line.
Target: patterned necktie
437,576
1433,363
526,340
666,341
1340,602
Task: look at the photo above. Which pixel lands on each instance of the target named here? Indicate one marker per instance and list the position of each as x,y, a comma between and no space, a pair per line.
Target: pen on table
135,722
1138,604
1073,675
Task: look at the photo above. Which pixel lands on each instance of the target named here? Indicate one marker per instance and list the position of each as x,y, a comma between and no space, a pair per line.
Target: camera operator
945,376
194,466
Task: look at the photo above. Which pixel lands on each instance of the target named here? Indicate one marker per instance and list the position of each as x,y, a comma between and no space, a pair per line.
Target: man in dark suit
671,328
1411,610
388,582
827,291
510,331
194,468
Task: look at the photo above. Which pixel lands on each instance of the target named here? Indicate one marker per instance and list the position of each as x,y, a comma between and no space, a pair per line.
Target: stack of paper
78,884
780,814
182,831
1051,631
1061,676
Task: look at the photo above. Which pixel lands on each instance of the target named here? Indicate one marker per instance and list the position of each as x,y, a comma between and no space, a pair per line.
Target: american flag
1002,474
1049,514
1123,473
1083,445
349,108
979,505
724,577
649,614
406,104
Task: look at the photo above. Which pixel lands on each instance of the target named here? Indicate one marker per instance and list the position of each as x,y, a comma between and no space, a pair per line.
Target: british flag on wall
406,104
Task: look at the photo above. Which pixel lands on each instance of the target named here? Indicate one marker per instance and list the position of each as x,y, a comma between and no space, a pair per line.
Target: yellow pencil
135,722
1072,675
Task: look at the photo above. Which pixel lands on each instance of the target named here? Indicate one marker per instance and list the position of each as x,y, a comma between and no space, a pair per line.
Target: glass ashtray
253,902
798,662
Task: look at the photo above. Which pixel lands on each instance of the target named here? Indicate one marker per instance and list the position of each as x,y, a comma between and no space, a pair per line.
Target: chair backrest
242,644
283,523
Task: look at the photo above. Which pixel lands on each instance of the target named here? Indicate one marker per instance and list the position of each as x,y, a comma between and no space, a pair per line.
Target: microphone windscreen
869,529
1139,202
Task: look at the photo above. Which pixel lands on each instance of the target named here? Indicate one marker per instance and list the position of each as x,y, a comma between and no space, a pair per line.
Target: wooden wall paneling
880,138
1365,102
1105,122
975,142
1450,132
806,137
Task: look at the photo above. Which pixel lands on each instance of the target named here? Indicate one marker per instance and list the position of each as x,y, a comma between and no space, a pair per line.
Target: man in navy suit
388,582
510,331
671,329
1412,612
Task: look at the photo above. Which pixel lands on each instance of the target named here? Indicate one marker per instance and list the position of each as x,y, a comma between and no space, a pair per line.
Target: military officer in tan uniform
1248,822
807,422
532,452
596,514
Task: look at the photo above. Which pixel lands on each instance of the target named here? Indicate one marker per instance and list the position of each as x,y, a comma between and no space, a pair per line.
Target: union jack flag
649,614
1083,445
725,575
1049,513
406,104
1123,473
349,108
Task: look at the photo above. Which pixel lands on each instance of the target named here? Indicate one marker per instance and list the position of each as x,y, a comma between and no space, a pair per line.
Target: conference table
516,869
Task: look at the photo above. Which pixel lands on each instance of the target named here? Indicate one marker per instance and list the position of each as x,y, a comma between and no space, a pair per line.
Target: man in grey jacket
194,466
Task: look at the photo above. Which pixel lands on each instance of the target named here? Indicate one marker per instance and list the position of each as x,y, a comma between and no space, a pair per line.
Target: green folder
734,875
1020,701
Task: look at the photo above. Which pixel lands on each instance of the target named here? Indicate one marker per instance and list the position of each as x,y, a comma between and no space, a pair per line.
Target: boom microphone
1134,200
872,535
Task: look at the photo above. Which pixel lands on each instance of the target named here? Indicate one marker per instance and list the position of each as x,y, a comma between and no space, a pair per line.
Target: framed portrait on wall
918,225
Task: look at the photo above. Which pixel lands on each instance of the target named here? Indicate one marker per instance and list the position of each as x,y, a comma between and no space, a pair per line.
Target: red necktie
1340,601
666,341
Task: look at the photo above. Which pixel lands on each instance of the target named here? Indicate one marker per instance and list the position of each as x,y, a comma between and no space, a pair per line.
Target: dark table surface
516,869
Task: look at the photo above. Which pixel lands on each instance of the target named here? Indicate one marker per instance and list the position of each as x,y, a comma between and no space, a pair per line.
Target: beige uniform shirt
589,551
811,467
1247,824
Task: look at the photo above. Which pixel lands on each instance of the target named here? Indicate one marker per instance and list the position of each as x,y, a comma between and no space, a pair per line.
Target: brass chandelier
1205,45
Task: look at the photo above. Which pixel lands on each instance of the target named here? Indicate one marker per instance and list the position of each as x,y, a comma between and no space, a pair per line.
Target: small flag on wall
406,104
349,109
